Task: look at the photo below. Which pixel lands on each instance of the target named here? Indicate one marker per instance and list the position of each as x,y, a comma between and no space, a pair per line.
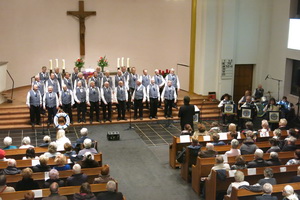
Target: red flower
78,60
159,71
163,72
105,60
101,58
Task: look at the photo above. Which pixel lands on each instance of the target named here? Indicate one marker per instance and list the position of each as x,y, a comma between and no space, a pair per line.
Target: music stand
278,84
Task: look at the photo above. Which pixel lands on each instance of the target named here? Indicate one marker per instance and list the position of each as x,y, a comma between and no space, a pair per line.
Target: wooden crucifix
81,15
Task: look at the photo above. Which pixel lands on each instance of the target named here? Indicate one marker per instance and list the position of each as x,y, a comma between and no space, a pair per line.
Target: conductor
186,113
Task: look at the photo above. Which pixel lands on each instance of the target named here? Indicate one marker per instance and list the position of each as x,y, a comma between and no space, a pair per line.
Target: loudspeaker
113,135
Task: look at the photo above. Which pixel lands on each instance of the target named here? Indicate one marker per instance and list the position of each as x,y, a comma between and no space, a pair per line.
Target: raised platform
16,115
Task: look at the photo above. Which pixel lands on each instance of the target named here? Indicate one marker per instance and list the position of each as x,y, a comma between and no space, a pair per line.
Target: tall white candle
50,63
128,62
63,64
56,63
122,61
118,63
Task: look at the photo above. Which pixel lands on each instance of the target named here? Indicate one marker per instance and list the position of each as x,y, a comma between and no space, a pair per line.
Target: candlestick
122,61
63,64
56,63
128,62
50,64
118,63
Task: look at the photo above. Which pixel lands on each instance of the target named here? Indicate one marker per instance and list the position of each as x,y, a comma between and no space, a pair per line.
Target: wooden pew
242,194
204,165
20,153
28,163
214,185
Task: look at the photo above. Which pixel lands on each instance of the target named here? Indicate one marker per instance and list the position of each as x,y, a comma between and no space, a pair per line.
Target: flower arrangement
164,73
102,62
79,63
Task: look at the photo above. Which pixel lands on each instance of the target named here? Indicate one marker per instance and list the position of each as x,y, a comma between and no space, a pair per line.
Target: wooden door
243,75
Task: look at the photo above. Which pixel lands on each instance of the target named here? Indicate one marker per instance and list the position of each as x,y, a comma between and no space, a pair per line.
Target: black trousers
160,92
67,108
94,107
130,93
138,105
168,107
153,107
51,113
121,106
35,114
81,110
107,109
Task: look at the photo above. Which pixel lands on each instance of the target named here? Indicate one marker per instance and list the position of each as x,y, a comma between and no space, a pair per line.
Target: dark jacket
262,181
208,154
27,184
266,197
88,163
55,197
295,179
259,162
238,166
110,196
274,149
11,171
79,196
76,179
44,144
248,146
41,168
289,147
186,113
48,182
274,162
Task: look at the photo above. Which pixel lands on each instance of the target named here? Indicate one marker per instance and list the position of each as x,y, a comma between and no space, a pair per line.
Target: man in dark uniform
106,96
34,102
67,81
122,98
66,100
186,113
93,99
139,97
51,103
169,96
153,97
80,99
44,75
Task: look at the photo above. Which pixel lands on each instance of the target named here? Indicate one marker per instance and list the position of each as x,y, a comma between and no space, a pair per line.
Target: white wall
154,34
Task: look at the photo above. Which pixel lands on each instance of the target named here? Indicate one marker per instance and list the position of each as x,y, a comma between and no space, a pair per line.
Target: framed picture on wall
274,116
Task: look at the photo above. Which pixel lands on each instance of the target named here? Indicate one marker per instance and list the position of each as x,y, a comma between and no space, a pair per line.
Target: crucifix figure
81,15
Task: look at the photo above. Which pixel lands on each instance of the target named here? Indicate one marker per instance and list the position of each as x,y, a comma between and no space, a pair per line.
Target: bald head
54,188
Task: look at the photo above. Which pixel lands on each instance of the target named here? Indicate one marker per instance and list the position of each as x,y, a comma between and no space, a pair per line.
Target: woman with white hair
53,177
52,150
26,143
289,194
46,141
234,151
87,148
7,143
239,181
61,139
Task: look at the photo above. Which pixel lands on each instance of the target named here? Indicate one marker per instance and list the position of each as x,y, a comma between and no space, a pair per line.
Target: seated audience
248,146
187,130
288,193
296,179
104,176
194,147
84,193
46,141
215,126
29,195
274,145
3,186
234,151
258,160
61,139
201,130
27,183
83,133
53,177
232,131
30,154
61,162
296,159
273,159
2,155
239,181
87,148
248,127
11,168
71,154
26,143
7,141
267,193
265,126
77,177
54,193
240,163
282,124
52,150
111,193
277,135
209,152
292,133
43,166
88,161
219,164
216,140
268,177
290,144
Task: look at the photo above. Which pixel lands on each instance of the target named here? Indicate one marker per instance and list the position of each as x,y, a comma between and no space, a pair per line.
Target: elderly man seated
239,181
296,179
54,177
87,143
290,144
11,168
83,132
7,141
258,160
209,152
111,192
273,159
267,193
234,151
3,186
289,194
54,193
219,164
77,177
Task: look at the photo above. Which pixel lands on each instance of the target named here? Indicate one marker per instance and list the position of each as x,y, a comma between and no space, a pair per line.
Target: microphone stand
278,84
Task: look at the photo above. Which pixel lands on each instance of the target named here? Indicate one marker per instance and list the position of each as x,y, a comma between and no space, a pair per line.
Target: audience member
277,135
53,177
296,178
187,130
240,163
61,162
216,141
30,154
201,130
7,141
248,146
233,151
232,131
267,193
195,147
219,164
83,133
288,193
258,160
104,176
268,177
71,154
43,166
273,159
215,126
27,183
11,168
290,144
84,193
274,145
3,186
111,192
282,124
26,143
61,139
248,127
209,152
77,177
55,193
265,125
296,159
292,133
46,141
52,150
87,147
239,181
89,161
29,195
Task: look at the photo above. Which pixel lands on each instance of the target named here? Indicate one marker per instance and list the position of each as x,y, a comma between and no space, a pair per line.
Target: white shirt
233,152
236,185
72,97
61,142
28,97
